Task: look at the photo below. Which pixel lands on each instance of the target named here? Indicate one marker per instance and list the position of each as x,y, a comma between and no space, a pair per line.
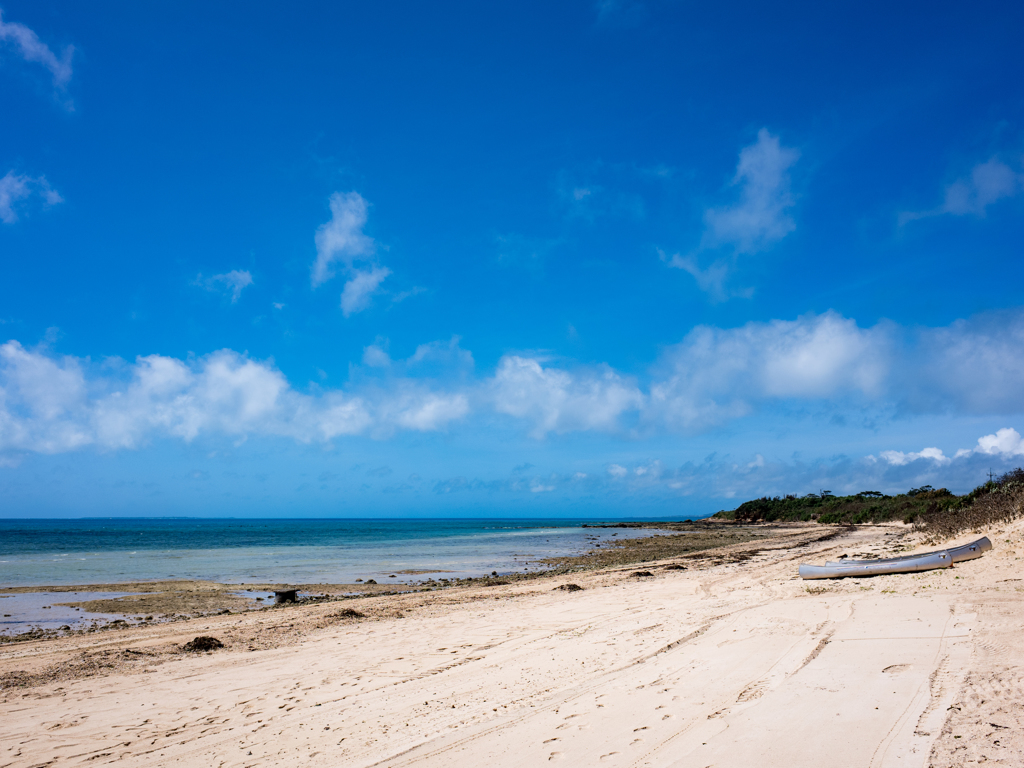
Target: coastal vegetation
935,510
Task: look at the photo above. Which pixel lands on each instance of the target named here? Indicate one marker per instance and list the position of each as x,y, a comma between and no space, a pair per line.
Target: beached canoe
959,554
927,561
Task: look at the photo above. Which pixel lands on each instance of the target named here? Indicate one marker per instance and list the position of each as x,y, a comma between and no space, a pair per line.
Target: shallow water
23,612
67,552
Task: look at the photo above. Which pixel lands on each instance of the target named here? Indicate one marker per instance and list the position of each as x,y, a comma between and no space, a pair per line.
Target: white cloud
1005,442
233,282
376,357
32,49
617,470
16,187
446,353
427,412
716,374
761,216
899,458
359,289
50,404
341,239
558,401
988,183
973,366
757,220
816,363
710,280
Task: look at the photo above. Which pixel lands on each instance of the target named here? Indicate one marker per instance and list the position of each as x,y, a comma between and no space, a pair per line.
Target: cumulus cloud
52,404
232,283
555,400
359,289
17,187
1005,443
32,49
899,458
988,183
716,374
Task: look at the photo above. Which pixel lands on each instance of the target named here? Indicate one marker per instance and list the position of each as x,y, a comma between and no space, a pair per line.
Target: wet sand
166,600
718,657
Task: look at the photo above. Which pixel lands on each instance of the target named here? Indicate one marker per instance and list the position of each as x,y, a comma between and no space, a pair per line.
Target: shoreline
717,656
162,600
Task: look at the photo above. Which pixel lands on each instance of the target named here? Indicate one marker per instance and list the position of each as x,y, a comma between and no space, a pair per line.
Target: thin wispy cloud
358,291
26,44
230,283
342,239
15,188
341,243
971,195
759,217
711,279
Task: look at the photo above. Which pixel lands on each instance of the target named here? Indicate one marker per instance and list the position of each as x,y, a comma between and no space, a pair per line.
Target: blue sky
613,258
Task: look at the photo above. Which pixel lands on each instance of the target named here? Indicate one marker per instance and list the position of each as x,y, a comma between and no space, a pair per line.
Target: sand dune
737,664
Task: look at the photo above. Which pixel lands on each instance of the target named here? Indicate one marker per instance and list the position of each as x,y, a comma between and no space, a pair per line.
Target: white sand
737,665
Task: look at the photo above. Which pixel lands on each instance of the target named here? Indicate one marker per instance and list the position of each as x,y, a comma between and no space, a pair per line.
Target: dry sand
730,662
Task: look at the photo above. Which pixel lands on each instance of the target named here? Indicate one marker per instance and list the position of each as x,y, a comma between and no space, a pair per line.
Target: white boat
927,561
959,554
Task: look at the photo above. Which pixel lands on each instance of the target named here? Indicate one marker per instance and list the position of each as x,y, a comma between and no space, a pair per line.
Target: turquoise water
98,551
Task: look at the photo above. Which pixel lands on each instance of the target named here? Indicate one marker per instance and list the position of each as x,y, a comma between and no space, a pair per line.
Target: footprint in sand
548,741
610,754
634,742
555,756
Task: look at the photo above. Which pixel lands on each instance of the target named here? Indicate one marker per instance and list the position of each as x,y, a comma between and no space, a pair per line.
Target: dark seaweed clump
201,644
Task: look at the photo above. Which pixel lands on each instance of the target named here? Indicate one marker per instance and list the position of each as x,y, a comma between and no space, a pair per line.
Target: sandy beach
719,658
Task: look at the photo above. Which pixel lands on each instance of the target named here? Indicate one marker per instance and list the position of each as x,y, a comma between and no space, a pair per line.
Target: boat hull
959,554
926,562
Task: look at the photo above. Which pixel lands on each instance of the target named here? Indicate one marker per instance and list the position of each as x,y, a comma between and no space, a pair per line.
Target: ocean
239,551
